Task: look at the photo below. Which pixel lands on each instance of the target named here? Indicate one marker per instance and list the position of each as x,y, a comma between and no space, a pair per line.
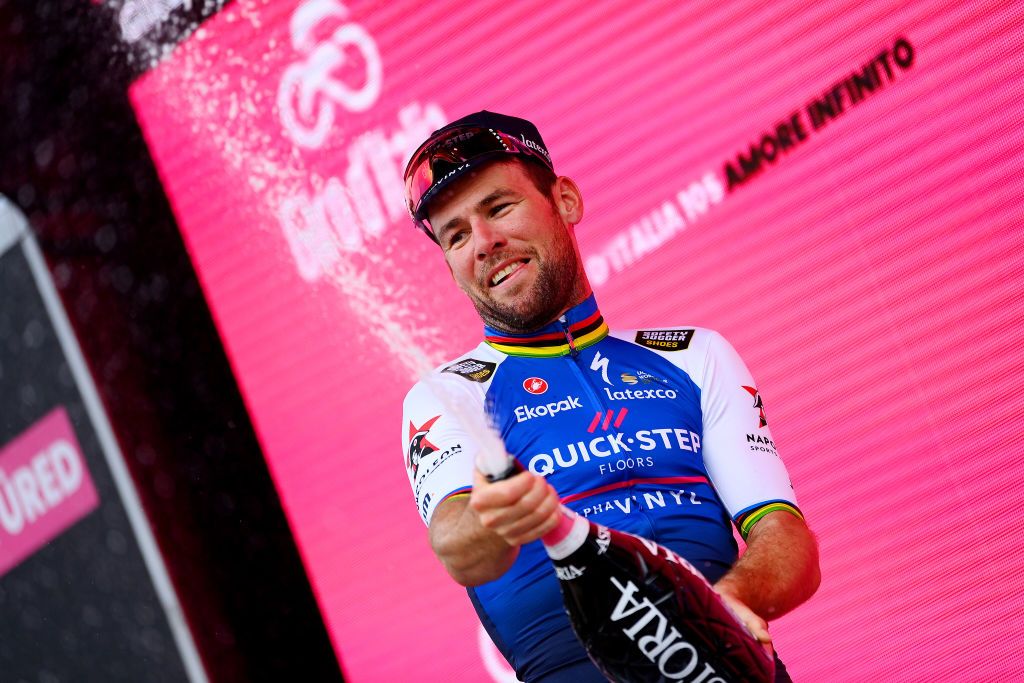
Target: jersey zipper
573,358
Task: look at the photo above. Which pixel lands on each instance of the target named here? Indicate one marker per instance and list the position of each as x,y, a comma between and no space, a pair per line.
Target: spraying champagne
641,612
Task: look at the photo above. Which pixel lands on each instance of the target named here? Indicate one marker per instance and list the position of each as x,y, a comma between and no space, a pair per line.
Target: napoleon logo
759,405
472,369
535,385
419,447
665,340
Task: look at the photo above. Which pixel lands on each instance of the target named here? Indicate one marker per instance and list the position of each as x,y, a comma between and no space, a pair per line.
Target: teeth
504,272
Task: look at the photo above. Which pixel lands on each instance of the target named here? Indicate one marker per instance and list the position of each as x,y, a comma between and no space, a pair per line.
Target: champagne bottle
643,613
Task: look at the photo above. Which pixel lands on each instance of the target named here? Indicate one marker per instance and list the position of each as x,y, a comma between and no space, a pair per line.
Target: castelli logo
535,385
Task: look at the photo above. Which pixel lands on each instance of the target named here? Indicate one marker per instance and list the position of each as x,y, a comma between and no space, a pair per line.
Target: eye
499,208
456,238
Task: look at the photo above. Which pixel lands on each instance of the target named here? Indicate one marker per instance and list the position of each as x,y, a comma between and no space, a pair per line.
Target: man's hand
778,571
755,624
477,537
519,509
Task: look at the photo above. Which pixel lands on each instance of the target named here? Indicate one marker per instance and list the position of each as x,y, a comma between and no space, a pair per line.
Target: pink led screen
858,239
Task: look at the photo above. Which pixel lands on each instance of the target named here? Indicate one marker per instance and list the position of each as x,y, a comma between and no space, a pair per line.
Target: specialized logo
665,340
535,385
524,413
600,364
472,369
418,445
759,405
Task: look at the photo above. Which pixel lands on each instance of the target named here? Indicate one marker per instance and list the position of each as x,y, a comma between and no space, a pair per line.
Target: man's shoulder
475,367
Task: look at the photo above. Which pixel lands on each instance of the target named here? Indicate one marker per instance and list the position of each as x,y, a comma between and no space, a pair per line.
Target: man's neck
576,328
576,301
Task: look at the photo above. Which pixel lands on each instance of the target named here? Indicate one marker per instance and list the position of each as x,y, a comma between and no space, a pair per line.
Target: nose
486,238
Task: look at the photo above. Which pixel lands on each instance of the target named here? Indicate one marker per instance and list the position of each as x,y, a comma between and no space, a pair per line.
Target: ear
568,200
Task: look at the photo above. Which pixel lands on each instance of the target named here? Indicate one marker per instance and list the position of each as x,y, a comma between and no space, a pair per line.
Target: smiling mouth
507,272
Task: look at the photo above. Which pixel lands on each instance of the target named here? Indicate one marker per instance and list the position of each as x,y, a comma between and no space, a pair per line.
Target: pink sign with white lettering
44,488
835,187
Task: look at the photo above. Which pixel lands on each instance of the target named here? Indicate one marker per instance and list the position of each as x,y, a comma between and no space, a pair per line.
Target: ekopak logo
524,413
535,385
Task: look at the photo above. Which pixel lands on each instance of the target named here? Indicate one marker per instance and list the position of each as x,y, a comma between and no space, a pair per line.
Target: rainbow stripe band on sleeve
746,519
464,491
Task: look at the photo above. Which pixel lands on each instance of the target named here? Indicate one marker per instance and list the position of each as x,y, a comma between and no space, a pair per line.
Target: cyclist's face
510,247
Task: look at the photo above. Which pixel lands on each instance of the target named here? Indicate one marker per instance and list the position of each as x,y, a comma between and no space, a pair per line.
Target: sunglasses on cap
443,158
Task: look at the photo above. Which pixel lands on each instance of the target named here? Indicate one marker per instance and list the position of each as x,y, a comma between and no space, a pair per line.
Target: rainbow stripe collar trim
580,327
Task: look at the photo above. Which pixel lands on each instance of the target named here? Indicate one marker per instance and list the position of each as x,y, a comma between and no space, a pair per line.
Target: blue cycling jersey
660,433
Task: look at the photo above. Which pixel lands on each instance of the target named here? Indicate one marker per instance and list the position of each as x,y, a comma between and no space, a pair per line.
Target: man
660,433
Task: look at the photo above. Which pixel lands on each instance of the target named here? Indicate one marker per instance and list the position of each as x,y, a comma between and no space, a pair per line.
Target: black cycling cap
452,151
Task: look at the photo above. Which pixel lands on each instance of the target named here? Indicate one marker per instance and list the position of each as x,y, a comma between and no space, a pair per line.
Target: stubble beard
553,290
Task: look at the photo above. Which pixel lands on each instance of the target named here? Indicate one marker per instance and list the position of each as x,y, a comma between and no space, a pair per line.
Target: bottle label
661,643
568,536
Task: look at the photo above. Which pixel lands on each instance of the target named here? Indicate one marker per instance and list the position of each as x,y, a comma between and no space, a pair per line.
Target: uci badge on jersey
472,369
664,340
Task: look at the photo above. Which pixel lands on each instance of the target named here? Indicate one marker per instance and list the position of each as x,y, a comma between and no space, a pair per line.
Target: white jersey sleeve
739,452
439,454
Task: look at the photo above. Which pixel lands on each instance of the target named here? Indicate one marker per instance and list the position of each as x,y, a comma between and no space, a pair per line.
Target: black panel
75,162
84,602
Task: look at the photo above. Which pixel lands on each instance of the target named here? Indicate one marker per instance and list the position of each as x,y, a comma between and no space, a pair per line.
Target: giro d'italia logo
759,405
535,385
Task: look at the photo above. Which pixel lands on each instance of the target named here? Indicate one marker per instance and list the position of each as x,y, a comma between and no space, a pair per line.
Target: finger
534,523
504,507
539,530
539,490
759,628
760,632
529,512
492,495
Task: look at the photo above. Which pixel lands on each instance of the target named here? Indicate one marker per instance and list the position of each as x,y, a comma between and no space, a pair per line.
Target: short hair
541,176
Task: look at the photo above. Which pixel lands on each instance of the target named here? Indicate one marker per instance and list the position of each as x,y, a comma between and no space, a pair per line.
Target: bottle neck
567,537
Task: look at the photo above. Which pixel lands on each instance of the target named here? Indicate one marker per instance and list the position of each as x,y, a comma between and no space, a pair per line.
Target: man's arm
778,572
477,537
